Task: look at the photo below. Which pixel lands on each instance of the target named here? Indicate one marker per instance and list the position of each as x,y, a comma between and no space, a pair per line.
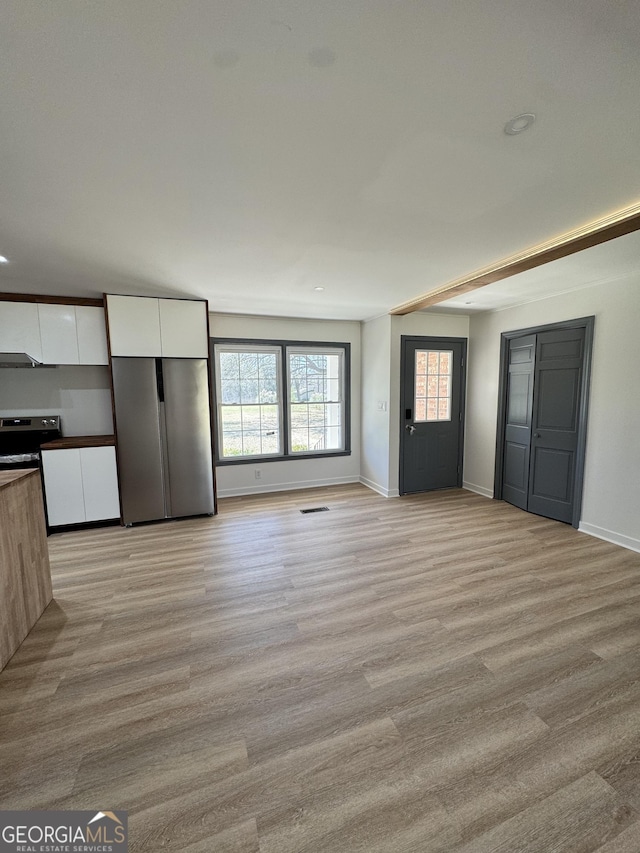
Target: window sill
255,460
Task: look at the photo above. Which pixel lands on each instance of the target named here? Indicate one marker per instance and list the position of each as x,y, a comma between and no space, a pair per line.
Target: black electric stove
21,437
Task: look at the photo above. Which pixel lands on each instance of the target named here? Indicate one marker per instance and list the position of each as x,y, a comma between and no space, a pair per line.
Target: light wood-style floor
437,673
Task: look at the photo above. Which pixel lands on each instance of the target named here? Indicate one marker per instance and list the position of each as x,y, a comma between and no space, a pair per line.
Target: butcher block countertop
25,577
8,477
72,441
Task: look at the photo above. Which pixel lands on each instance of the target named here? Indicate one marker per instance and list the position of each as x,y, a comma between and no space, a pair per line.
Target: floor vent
315,509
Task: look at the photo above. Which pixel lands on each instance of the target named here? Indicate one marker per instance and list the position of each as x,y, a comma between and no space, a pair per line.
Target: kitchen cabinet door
92,335
183,328
20,328
100,483
58,334
134,326
63,486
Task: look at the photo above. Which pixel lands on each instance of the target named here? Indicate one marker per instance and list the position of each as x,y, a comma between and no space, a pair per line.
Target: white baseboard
610,536
375,487
479,490
265,488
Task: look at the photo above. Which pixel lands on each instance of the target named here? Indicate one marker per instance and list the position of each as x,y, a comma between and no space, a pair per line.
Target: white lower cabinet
100,483
63,486
81,484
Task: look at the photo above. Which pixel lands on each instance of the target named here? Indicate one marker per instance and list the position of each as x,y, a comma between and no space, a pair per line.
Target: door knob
410,429
536,435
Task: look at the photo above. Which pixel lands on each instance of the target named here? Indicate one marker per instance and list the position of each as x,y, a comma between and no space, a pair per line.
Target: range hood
20,359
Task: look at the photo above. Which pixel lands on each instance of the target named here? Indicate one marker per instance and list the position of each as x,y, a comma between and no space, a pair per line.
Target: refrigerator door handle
164,456
159,381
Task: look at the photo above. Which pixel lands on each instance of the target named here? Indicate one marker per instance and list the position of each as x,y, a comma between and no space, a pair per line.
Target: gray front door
431,399
542,427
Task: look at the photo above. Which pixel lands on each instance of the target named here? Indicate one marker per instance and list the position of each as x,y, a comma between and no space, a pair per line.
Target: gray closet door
556,419
543,421
519,411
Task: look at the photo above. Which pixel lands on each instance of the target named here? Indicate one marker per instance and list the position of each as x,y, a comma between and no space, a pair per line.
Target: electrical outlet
258,474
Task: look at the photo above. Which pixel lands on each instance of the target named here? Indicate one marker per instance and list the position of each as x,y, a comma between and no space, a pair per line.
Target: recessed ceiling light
318,288
518,124
3,260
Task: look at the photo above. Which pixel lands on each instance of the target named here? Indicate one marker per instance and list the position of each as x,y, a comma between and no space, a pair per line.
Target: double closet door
544,428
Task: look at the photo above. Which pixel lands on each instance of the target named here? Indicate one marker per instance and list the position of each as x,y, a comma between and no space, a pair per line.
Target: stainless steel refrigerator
163,428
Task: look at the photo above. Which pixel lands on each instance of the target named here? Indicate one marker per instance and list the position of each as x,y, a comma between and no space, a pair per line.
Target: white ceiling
248,152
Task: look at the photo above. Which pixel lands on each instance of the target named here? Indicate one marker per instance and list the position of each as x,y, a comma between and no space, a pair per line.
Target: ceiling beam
600,231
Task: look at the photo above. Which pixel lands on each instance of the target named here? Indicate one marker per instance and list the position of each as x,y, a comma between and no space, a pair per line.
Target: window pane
267,364
316,407
332,438
230,390
249,407
445,362
249,391
299,440
250,430
249,365
229,365
270,442
299,416
443,386
443,409
432,393
268,391
231,431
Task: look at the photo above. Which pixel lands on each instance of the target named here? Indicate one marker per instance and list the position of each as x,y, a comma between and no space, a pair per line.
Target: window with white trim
281,399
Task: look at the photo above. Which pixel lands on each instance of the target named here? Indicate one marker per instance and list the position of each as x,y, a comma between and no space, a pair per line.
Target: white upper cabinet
164,328
183,328
92,335
72,334
58,334
20,328
134,325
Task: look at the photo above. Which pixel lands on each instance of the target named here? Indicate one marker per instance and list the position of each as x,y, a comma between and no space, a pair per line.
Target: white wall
376,411
611,499
298,473
79,394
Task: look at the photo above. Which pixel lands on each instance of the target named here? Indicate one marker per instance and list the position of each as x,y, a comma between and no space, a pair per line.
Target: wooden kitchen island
25,576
